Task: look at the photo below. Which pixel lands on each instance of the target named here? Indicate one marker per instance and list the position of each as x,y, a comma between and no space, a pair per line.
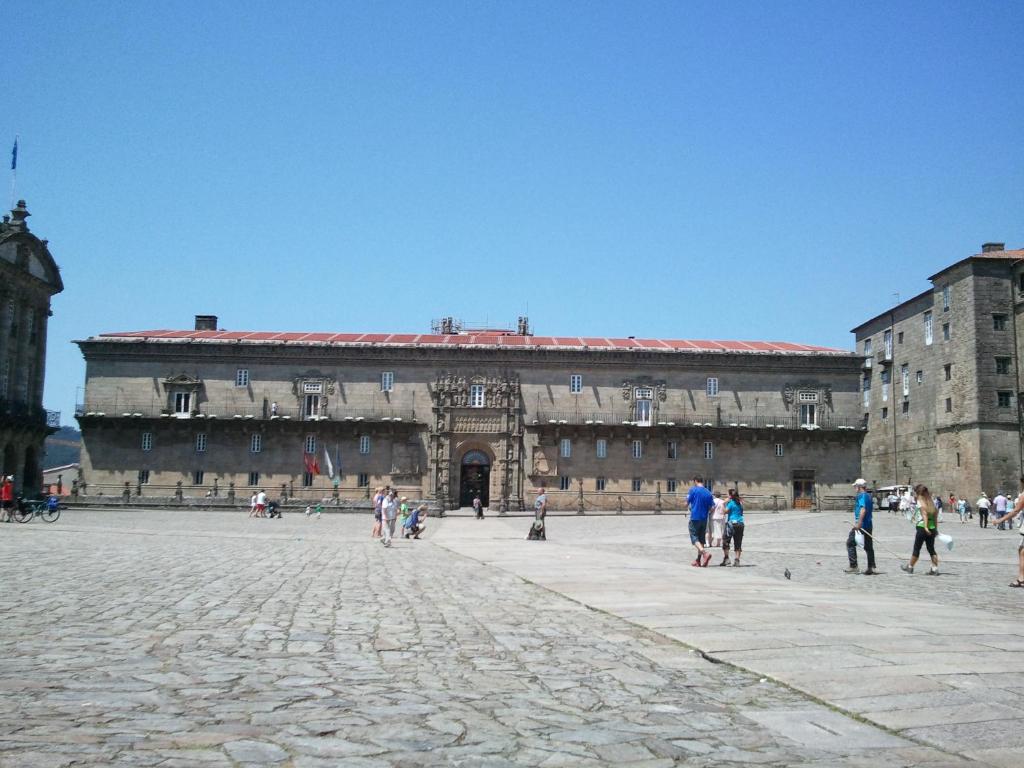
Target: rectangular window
143,477
906,407
147,441
778,449
476,396
673,449
307,479
709,449
927,327
255,443
638,449
575,383
364,445
602,448
566,448
945,331
905,378
671,485
867,347
183,402
949,405
642,397
309,445
1002,365
885,414
887,343
312,387
638,483
945,299
363,480
947,369
242,377
599,484
201,442
885,385
1003,398
899,337
254,478
808,414
197,477
807,397
564,483
387,381
310,406
920,376
712,387
999,322
867,390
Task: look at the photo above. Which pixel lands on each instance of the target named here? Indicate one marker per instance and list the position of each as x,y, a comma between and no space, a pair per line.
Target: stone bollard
579,499
503,506
178,495
126,494
138,487
231,491
620,506
216,490
657,498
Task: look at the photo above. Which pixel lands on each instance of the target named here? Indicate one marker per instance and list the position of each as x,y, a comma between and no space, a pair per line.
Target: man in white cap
983,505
862,522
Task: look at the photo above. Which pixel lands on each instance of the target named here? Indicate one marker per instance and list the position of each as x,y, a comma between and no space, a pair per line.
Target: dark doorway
803,488
31,480
475,479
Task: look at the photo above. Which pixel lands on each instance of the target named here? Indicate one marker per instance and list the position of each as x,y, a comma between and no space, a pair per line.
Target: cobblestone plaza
170,638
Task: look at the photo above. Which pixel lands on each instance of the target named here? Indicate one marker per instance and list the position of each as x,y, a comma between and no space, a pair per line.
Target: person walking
1018,508
252,505
983,507
7,499
390,510
717,521
862,522
999,505
540,505
734,526
961,509
926,520
478,508
261,503
378,512
699,501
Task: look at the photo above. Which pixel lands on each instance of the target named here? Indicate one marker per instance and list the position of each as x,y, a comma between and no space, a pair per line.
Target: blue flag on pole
14,156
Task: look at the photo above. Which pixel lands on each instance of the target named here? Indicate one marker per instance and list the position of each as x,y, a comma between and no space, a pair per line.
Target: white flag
327,461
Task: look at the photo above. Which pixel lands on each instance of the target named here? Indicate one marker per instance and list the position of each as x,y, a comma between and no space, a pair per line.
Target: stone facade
29,277
955,424
445,417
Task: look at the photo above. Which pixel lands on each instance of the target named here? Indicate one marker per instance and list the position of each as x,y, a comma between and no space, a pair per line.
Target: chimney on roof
206,322
992,247
523,326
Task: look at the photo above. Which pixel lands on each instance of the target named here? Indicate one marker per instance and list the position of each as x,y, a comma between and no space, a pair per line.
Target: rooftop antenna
897,295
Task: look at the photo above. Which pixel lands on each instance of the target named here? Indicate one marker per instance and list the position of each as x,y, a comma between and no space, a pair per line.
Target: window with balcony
476,396
885,385
602,448
387,381
242,377
575,383
643,399
364,445
201,442
638,449
808,414
182,403
867,347
887,343
566,448
927,327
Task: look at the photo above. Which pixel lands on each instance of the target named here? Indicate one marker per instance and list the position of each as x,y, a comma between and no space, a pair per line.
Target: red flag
312,465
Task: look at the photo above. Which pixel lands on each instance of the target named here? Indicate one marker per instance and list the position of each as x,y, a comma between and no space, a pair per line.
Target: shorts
376,515
260,507
733,536
1020,547
698,530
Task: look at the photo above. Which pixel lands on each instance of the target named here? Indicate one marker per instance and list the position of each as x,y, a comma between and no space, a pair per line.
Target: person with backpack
926,520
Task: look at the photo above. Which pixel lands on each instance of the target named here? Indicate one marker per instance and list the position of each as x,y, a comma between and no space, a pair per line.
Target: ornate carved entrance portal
475,478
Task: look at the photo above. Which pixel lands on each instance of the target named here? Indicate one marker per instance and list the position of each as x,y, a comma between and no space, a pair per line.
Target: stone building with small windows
29,278
941,380
452,414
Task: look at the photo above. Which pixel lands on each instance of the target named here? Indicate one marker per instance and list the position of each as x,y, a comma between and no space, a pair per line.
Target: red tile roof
475,340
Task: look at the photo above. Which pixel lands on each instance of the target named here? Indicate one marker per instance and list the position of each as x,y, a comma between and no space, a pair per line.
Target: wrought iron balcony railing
687,419
126,409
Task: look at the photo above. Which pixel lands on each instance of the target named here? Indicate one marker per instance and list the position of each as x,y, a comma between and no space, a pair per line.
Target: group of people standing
727,524
390,511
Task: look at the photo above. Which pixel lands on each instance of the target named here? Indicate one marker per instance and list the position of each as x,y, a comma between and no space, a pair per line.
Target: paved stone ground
208,639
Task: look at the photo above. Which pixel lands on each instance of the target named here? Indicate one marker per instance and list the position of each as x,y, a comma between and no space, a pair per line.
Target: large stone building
447,415
29,277
941,380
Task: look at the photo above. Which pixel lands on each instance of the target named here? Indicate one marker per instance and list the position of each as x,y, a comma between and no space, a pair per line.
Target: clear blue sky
684,170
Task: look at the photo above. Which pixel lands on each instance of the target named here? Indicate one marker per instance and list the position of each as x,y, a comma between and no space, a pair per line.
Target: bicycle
30,508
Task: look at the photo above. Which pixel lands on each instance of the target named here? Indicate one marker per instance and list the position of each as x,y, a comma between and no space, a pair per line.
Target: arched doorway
475,478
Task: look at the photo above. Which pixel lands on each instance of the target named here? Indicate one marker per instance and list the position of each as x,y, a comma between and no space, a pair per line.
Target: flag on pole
14,155
327,462
309,460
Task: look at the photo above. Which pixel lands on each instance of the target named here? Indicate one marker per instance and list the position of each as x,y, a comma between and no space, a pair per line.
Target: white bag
859,538
946,540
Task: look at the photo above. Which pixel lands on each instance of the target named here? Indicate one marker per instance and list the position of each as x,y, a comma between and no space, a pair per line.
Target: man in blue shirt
699,500
861,522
